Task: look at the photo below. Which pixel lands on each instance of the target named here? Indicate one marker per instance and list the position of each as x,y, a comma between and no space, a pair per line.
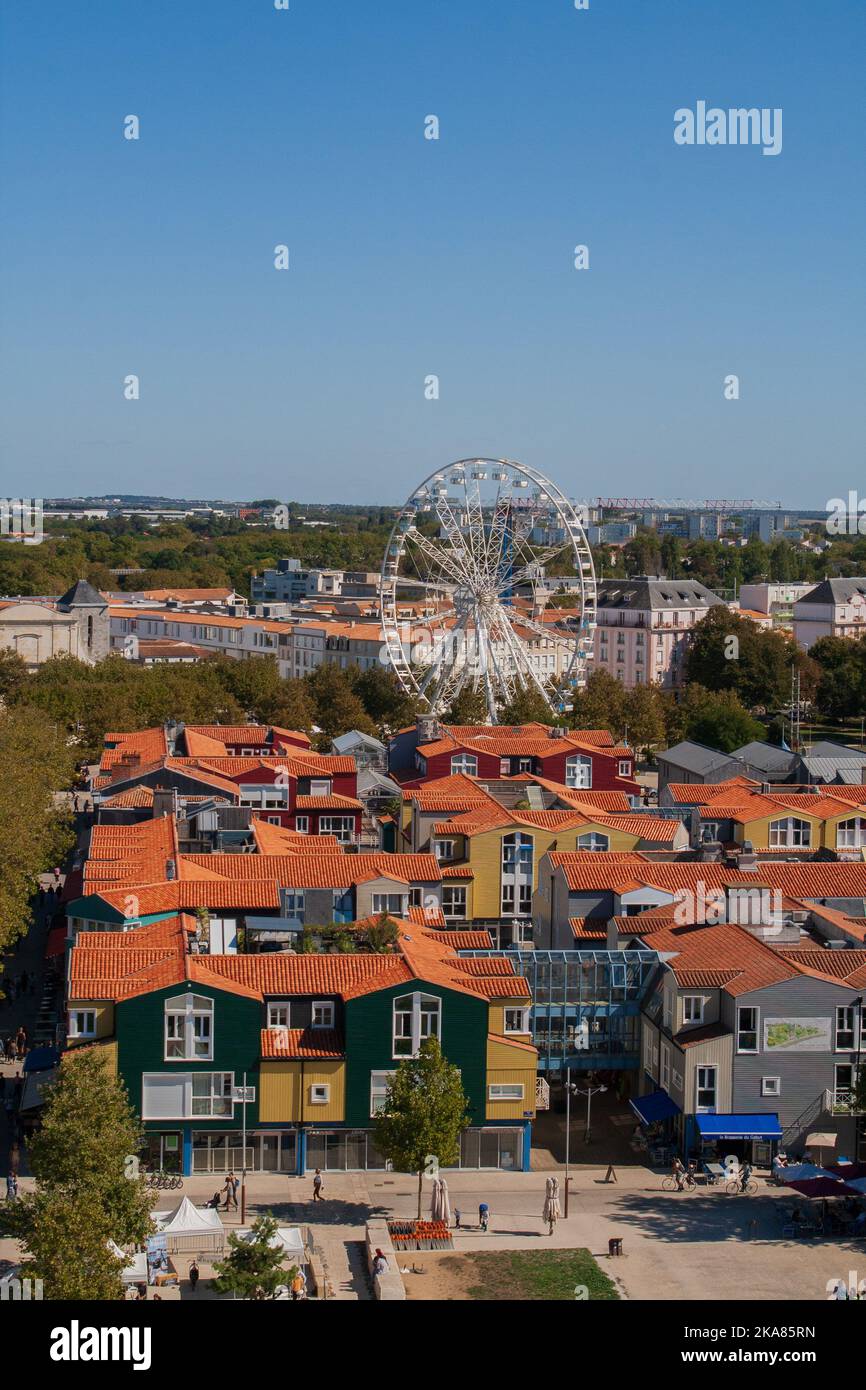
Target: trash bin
614,1245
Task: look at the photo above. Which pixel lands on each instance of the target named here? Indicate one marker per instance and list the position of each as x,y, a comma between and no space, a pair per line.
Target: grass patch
533,1274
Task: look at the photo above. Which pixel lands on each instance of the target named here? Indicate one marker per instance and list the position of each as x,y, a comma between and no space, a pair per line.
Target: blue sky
412,257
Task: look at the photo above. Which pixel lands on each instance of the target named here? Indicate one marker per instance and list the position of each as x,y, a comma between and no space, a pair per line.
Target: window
342,827
443,849
790,833
845,1029
320,786
851,834
302,824
293,902
578,771
278,1015
693,1008
454,903
320,1094
389,902
624,767
771,1085
517,854
747,1030
705,1090
416,1017
593,841
843,1084
188,1028
379,1090
504,767
517,1021
524,765
666,1067
466,763
505,1092
323,1013
82,1023
182,1095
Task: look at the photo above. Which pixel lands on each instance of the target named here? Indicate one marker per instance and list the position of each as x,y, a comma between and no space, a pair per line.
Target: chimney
748,858
427,726
170,870
558,732
164,802
611,942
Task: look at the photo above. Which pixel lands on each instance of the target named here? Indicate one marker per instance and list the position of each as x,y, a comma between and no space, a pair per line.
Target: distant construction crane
712,504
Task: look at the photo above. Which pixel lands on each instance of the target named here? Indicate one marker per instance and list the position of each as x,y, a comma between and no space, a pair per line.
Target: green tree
841,687
253,1269
382,935
730,652
527,707
717,719
600,704
643,716
426,1111
13,673
384,698
88,1191
470,707
338,708
66,1245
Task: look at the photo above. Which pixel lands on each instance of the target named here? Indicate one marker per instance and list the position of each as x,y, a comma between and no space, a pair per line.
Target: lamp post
571,1088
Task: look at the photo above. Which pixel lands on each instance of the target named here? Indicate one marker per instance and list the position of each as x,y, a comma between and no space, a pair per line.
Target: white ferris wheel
464,598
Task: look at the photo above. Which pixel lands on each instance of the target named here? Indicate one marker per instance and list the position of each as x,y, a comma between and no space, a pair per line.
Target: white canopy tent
286,1238
191,1230
134,1270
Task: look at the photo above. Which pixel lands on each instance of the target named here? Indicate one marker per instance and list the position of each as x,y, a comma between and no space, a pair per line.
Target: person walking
235,1182
56,876
12,1188
229,1190
318,1184
21,1042
483,1216
193,1276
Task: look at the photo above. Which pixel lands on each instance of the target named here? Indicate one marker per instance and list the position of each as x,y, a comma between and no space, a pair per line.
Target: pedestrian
299,1287
380,1264
193,1275
678,1173
75,806
483,1216
21,1042
318,1184
457,1218
12,1188
235,1182
56,877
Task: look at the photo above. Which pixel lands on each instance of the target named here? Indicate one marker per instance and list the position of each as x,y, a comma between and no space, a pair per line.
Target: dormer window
467,763
188,1028
416,1018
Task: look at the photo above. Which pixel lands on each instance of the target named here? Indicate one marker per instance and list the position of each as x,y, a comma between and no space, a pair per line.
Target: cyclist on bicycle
678,1173
745,1176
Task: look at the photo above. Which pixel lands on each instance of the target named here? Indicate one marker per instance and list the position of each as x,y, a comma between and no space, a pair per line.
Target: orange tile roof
277,839
328,803
302,1043
692,794
459,940
613,870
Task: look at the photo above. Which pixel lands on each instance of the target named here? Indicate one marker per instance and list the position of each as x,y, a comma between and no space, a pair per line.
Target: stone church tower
90,610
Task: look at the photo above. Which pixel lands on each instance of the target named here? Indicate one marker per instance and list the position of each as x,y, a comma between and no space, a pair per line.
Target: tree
384,698
426,1111
600,704
643,716
84,1159
66,1245
382,935
730,652
338,708
470,707
718,720
254,1268
527,707
13,673
841,689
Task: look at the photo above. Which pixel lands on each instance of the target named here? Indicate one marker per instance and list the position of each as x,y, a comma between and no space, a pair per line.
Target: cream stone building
77,624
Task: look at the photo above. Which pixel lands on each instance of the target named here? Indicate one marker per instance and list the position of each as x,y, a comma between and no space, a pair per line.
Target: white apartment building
833,608
775,599
643,628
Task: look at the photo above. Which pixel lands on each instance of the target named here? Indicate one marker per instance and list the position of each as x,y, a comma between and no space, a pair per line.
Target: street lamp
571,1088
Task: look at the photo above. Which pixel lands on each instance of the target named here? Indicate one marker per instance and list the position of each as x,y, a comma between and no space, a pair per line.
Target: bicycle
737,1188
167,1181
688,1181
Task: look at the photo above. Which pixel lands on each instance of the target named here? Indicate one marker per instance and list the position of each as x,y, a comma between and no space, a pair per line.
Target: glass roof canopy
586,1005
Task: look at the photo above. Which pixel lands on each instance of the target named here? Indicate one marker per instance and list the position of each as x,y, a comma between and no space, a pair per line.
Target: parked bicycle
165,1180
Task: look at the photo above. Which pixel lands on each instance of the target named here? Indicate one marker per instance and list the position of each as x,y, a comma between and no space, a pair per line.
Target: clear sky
411,257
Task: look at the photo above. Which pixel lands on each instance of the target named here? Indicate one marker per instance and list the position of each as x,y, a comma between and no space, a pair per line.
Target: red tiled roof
302,1042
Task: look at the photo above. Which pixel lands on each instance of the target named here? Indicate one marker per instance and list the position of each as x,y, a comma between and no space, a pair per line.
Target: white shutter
163,1095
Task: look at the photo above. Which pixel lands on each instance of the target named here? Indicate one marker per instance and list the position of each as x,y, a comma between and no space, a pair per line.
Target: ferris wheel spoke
524,661
440,558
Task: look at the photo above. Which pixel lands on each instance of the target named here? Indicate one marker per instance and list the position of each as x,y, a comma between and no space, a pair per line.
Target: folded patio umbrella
444,1202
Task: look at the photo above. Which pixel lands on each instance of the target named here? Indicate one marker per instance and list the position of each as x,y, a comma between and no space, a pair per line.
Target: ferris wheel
465,602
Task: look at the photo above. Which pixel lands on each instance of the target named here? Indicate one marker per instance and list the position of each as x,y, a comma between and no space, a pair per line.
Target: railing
821,1105
844,1102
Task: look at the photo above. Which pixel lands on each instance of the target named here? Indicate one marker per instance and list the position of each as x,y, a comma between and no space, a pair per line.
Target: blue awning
739,1126
658,1106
